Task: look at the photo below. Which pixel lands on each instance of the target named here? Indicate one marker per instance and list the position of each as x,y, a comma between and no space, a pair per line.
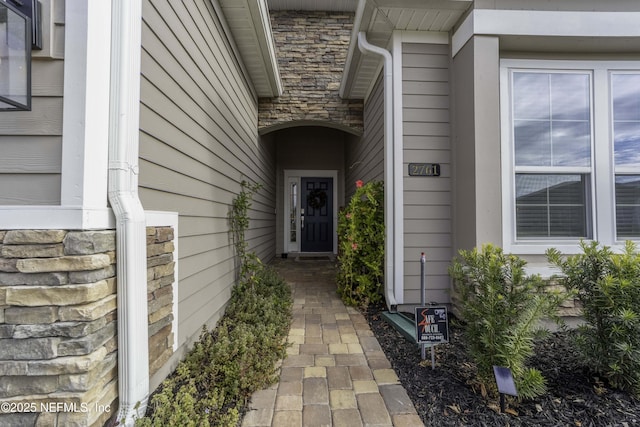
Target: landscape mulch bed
446,396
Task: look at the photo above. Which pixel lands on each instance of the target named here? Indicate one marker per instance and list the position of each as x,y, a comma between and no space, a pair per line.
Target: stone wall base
58,323
58,360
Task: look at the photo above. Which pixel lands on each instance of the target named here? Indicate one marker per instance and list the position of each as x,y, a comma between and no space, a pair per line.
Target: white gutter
357,23
133,345
390,249
262,20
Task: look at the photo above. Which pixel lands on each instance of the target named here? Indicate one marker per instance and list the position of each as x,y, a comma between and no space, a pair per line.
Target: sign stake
432,322
423,298
505,383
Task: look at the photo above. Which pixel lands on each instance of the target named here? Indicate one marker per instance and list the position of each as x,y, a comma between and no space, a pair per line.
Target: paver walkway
335,373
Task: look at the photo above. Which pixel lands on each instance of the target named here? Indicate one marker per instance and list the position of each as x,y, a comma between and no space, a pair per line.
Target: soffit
379,19
249,24
315,5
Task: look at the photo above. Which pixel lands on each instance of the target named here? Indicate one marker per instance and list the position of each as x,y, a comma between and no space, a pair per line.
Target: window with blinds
552,153
573,150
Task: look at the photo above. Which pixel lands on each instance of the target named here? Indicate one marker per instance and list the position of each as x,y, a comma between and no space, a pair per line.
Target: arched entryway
310,174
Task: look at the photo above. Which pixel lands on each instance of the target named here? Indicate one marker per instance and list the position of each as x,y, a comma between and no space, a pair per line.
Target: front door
316,220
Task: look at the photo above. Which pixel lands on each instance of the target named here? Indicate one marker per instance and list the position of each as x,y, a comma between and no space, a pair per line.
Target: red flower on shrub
359,183
354,246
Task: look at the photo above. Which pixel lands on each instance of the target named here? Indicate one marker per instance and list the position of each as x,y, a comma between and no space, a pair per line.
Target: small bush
502,307
608,286
213,384
361,252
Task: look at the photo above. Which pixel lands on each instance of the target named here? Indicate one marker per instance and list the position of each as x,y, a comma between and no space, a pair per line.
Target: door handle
301,221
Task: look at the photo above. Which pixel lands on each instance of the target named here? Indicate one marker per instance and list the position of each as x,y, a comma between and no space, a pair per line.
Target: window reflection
293,212
15,59
552,119
625,89
626,119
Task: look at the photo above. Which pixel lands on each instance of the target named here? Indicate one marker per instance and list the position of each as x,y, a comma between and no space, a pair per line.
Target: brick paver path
335,373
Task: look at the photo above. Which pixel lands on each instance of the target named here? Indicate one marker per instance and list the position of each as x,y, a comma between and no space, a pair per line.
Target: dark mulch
445,396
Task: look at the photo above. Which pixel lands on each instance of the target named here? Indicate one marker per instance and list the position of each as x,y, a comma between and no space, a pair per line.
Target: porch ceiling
320,5
378,19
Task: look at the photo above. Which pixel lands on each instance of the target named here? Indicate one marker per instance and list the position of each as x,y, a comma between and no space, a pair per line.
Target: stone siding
311,48
58,359
58,335
160,278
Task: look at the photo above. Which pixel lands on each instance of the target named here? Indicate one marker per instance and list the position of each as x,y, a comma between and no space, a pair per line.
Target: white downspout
390,249
398,179
133,345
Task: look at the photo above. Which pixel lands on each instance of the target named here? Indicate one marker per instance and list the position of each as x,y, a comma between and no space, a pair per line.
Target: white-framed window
570,153
625,116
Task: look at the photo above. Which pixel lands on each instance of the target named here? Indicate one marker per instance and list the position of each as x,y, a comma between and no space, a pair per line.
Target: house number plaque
424,169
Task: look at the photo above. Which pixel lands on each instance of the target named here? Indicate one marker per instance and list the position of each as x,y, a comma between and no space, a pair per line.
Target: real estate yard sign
432,325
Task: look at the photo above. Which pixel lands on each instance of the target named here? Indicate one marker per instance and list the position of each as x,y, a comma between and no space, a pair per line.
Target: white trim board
85,121
55,217
545,23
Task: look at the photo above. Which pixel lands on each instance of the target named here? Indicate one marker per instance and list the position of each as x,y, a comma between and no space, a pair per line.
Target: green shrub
180,403
608,286
361,246
502,308
214,382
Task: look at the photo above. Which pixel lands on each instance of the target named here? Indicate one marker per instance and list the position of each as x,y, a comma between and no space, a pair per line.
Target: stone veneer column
160,278
58,360
57,327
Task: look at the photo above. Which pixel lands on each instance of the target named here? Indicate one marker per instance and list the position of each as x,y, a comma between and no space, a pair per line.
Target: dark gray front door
317,222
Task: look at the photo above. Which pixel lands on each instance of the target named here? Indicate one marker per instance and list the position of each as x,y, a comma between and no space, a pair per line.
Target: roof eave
376,18
260,15
250,27
362,21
